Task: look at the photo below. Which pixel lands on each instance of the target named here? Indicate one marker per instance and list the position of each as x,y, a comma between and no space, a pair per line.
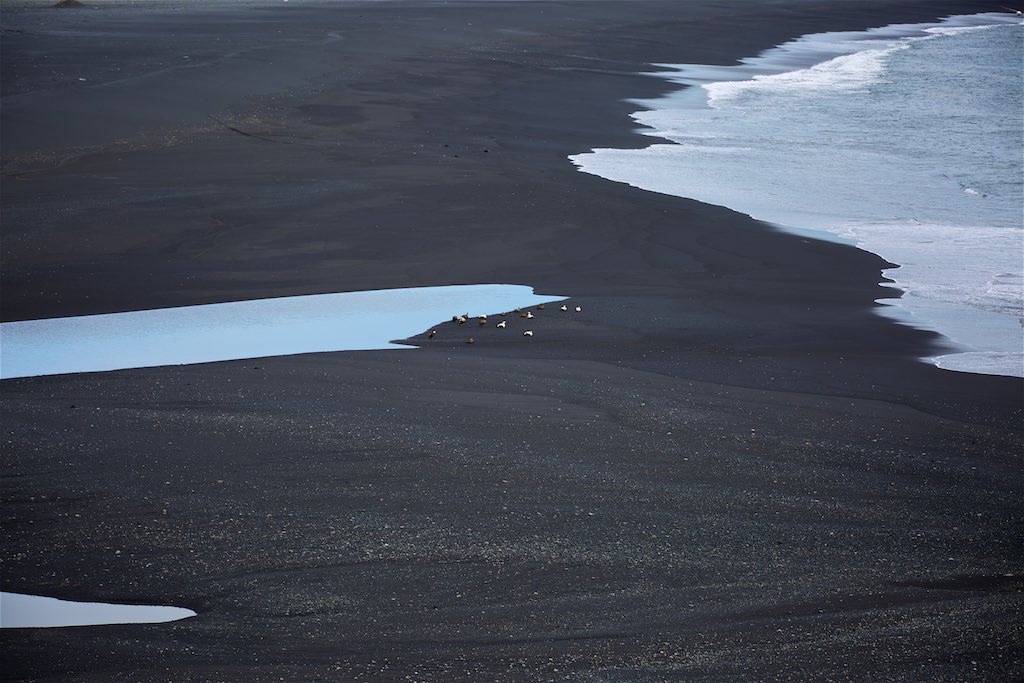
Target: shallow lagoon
18,610
347,321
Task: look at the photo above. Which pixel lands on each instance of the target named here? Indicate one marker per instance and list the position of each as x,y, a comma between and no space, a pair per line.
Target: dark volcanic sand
725,468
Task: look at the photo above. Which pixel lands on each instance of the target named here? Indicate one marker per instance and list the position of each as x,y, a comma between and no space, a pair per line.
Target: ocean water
906,140
259,328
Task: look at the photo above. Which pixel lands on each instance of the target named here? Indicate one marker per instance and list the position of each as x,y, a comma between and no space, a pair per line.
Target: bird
579,309
470,340
483,321
433,333
462,320
529,316
502,324
455,318
528,333
540,307
564,308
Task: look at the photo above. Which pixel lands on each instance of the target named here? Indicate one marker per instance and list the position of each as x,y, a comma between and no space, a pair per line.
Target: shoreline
986,340
723,467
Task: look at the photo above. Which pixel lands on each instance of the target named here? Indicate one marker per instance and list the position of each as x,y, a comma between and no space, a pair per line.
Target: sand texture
726,467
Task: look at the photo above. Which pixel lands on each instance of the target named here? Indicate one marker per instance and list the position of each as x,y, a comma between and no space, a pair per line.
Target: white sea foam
952,30
978,362
906,140
848,72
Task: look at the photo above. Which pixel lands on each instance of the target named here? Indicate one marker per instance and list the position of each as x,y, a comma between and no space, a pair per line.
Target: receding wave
849,72
906,139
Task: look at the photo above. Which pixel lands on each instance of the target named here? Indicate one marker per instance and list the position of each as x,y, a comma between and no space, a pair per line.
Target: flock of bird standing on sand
482,320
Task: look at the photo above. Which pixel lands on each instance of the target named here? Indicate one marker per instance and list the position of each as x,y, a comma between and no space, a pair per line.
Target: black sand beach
726,467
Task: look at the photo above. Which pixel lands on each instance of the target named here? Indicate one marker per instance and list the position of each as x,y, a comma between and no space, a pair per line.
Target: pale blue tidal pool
33,611
347,321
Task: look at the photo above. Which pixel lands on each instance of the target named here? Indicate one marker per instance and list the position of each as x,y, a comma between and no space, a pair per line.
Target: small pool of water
347,321
18,610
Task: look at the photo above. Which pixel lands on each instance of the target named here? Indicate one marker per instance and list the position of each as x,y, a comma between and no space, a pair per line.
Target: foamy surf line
345,321
890,139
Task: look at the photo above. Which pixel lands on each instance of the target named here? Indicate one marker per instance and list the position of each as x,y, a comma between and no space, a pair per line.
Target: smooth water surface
18,610
259,328
906,139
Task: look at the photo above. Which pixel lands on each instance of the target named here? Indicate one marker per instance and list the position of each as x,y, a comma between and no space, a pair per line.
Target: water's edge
966,350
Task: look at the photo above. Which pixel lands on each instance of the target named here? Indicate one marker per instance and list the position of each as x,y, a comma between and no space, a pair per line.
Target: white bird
529,316
502,324
564,308
579,309
528,333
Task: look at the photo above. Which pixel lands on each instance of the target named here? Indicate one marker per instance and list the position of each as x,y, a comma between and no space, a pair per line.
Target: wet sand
726,467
